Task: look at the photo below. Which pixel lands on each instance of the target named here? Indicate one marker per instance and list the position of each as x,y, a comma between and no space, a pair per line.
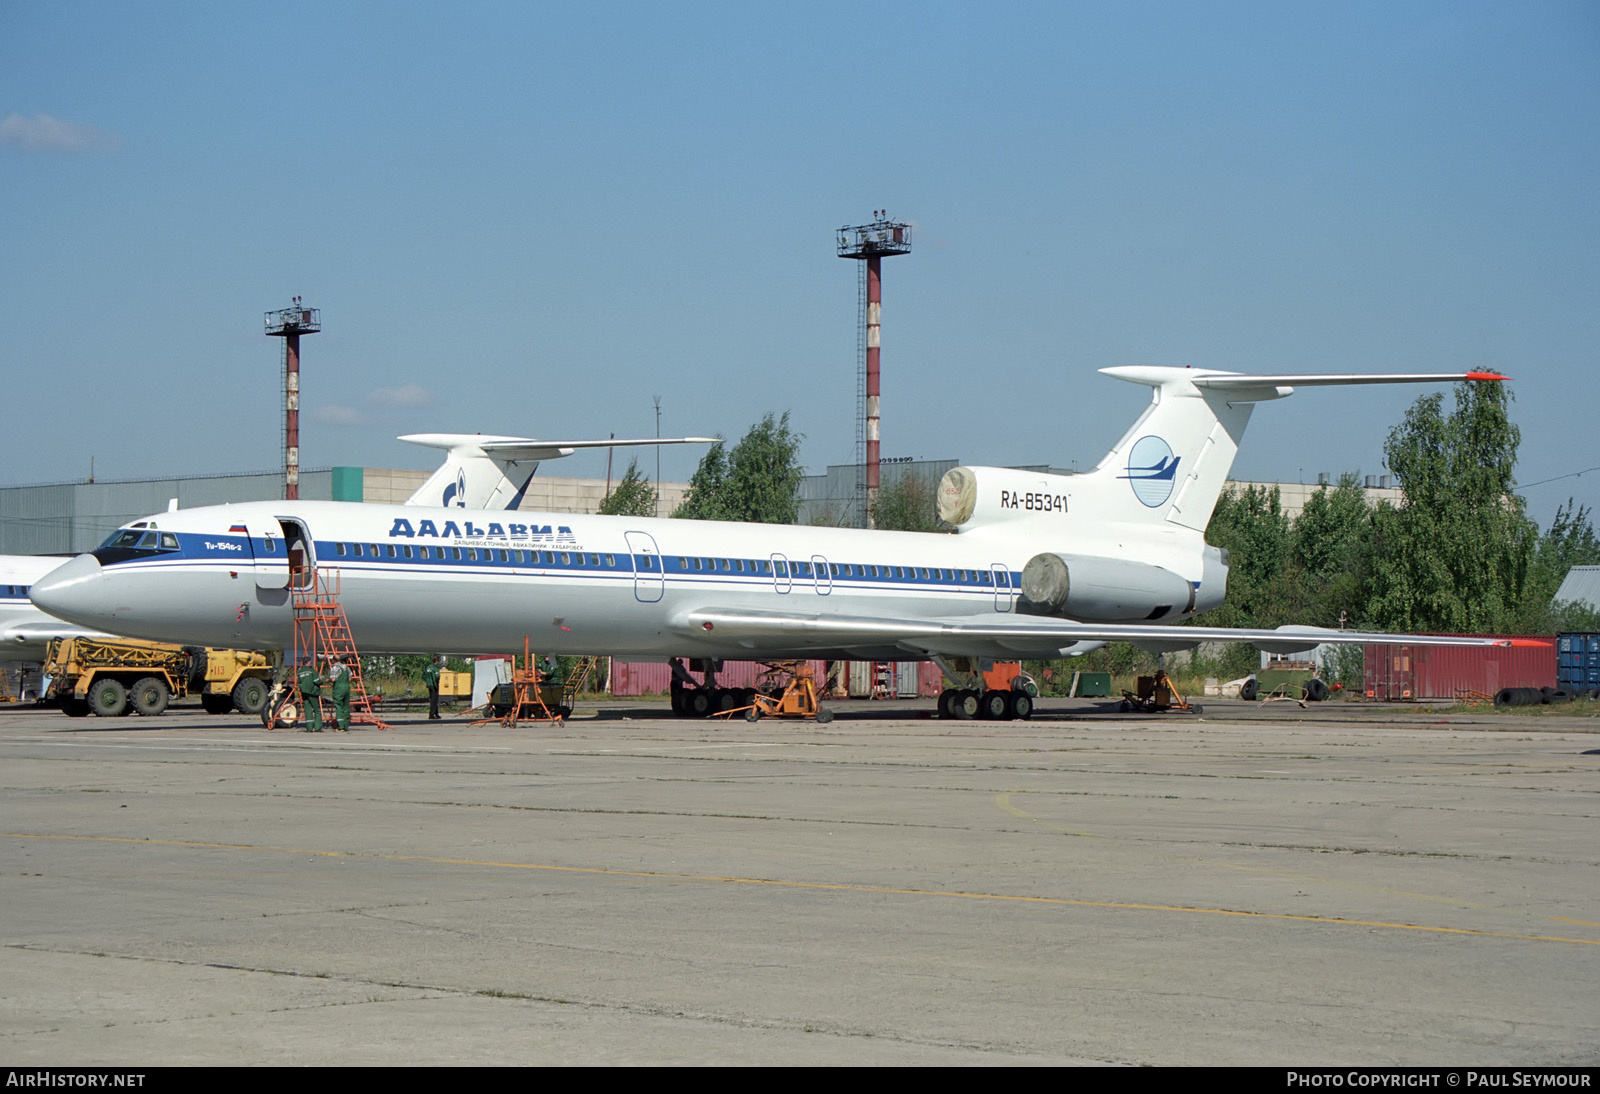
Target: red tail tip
1486,376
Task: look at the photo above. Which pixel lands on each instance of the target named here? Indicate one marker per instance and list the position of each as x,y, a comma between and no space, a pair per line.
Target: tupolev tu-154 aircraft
479,472
1041,566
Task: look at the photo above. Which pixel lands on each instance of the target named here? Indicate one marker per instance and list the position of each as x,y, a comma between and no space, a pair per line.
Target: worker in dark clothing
339,673
430,680
310,692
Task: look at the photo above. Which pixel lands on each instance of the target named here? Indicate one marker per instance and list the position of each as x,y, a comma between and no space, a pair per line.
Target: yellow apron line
819,885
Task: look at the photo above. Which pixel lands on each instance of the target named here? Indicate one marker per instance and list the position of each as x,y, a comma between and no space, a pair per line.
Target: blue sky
530,219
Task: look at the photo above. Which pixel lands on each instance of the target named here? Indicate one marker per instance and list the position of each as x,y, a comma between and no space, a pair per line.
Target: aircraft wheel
824,716
680,704
699,703
965,704
726,699
108,698
945,698
150,697
1022,703
994,706
250,695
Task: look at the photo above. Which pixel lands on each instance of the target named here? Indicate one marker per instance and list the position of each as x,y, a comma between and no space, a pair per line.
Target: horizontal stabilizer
484,471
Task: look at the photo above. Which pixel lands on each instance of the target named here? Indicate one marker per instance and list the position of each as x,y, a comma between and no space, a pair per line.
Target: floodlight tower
289,324
868,243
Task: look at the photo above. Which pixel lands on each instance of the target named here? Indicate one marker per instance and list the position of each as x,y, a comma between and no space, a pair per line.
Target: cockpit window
139,541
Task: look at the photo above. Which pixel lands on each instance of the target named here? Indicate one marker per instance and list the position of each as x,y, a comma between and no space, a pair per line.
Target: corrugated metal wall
66,518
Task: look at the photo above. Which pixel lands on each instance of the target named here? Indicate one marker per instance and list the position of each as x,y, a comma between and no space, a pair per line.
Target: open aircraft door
648,570
286,557
271,561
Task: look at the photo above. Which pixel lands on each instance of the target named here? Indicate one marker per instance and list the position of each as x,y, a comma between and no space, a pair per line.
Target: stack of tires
1533,697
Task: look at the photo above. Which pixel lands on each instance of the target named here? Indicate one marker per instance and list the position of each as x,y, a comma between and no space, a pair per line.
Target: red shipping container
1402,672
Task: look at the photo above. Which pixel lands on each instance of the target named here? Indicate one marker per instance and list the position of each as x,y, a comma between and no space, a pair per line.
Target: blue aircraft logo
1152,469
456,493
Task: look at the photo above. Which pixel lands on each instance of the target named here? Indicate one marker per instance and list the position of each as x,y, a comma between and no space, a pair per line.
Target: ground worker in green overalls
339,673
430,680
310,692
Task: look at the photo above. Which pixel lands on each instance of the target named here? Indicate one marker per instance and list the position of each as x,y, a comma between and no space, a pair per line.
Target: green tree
1251,526
1570,541
1454,555
906,504
758,481
633,496
1330,556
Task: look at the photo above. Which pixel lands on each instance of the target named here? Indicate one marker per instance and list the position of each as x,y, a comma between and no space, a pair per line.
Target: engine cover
1104,590
980,495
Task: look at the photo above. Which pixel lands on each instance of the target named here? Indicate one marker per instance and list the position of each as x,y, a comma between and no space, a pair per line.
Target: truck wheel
75,708
250,695
216,704
108,698
150,697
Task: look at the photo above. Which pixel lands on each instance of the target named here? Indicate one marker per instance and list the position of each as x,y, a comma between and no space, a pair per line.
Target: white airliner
25,631
1042,566
479,472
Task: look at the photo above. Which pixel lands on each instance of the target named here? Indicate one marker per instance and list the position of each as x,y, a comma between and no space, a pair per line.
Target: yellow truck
110,677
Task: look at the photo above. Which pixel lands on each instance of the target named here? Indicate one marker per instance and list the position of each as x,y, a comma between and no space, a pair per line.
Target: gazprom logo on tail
1152,469
455,495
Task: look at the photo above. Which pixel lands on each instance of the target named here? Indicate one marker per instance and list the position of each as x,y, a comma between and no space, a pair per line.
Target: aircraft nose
74,591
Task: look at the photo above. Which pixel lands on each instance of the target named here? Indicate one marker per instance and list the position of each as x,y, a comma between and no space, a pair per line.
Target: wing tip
1485,377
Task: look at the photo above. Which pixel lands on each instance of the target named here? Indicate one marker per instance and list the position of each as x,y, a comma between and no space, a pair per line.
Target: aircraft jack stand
534,698
1157,693
797,700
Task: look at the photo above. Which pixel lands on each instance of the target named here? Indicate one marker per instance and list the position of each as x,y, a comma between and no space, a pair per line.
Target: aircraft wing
757,630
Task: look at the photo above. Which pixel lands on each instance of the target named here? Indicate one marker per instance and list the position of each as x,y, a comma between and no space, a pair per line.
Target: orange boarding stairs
321,631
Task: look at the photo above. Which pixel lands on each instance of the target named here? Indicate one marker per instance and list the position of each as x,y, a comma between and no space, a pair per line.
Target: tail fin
1175,459
486,472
